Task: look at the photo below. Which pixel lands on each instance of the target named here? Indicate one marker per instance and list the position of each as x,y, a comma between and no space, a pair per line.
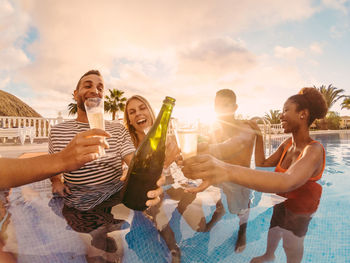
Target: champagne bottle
147,164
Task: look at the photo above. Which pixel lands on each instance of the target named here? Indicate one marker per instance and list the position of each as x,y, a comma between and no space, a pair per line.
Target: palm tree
346,103
273,116
331,94
115,102
72,107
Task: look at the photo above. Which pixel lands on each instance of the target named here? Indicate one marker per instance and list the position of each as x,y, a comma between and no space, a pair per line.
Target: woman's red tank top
282,170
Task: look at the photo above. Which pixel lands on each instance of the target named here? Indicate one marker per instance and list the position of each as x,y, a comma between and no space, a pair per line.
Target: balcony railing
272,133
41,126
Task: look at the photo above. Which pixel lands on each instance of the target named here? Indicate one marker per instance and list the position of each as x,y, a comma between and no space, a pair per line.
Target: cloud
155,48
13,27
339,31
265,86
288,53
50,103
215,57
154,22
316,48
337,4
12,59
4,81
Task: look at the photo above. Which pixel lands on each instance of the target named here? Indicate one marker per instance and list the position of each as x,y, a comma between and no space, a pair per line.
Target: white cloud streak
288,53
154,48
316,48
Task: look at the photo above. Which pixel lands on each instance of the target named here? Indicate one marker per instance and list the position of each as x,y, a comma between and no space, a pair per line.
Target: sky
264,50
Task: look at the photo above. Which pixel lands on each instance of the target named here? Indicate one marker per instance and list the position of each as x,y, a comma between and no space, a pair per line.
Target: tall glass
187,140
94,108
186,133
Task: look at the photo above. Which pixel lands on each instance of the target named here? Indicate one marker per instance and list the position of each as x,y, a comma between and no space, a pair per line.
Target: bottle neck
157,134
164,114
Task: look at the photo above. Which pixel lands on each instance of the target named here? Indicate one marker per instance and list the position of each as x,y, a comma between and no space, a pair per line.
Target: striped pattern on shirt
100,176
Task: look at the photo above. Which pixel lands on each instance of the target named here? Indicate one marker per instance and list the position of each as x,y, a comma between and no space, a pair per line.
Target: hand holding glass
94,108
186,134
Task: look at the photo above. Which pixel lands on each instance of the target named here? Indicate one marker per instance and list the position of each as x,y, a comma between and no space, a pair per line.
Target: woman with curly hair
298,159
299,162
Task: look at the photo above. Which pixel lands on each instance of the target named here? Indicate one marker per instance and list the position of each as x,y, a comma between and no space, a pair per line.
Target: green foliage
331,94
72,107
115,102
333,120
346,103
273,116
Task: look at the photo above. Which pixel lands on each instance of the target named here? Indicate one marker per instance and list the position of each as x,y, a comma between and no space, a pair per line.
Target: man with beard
97,181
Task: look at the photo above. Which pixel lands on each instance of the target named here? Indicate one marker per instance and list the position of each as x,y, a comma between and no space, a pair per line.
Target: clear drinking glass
94,108
186,133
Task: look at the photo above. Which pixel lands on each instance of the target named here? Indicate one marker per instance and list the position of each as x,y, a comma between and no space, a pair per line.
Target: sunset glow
187,50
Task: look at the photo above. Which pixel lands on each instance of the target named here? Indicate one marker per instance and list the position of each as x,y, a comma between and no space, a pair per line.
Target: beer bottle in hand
147,164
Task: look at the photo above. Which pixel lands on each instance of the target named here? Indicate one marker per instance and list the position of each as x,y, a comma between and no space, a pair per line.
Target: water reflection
35,233
177,205
206,227
4,222
290,221
337,146
98,223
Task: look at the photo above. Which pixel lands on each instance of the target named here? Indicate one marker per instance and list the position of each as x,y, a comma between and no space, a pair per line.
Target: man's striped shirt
96,181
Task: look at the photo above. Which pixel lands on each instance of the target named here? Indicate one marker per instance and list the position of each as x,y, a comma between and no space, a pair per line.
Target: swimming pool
191,228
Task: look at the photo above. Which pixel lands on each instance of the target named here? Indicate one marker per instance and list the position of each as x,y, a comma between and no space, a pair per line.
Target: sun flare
204,114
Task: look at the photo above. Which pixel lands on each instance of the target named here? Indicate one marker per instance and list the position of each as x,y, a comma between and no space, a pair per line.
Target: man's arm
82,149
208,168
234,145
16,172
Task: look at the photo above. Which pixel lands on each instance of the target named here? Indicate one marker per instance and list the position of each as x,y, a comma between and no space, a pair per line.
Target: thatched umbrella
10,105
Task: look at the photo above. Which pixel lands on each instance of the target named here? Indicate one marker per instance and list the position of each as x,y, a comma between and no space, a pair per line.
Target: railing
266,132
41,126
276,128
272,133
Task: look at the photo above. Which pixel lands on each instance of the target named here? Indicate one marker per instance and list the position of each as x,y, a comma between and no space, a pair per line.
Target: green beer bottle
147,164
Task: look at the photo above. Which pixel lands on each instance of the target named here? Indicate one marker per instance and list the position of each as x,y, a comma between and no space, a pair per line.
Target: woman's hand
154,195
205,167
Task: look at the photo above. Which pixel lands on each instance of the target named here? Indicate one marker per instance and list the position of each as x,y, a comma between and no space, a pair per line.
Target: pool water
213,226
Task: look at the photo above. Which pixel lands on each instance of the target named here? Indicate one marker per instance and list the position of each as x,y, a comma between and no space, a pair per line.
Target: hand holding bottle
147,163
154,195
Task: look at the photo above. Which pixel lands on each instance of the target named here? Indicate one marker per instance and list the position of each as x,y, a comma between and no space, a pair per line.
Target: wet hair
227,93
90,72
312,100
127,124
